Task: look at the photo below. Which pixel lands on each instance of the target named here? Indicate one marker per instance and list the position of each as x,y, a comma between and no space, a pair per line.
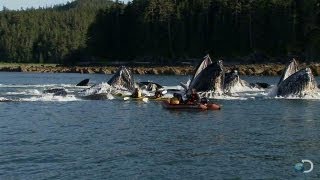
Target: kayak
209,106
128,98
152,98
146,98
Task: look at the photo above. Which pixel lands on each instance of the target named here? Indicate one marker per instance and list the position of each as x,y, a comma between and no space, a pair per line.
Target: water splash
32,92
49,97
103,88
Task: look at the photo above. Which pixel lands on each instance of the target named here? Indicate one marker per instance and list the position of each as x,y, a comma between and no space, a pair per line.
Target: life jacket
136,94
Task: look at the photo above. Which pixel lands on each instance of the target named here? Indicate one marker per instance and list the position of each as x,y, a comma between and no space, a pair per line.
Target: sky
17,4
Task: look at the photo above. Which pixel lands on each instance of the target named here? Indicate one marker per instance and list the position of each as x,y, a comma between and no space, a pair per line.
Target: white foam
273,91
103,88
173,87
32,92
225,97
308,96
4,99
272,94
241,91
49,97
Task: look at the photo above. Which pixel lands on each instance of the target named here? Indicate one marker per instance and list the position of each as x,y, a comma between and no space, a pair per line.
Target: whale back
83,82
299,83
122,78
149,86
210,79
291,68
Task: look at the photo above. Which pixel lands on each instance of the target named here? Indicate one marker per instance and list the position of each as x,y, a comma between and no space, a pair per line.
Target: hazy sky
17,4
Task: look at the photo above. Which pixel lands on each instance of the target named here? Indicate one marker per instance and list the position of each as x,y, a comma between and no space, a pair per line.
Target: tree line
47,35
102,30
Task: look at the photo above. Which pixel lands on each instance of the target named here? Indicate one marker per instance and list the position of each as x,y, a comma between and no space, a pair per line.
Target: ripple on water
253,138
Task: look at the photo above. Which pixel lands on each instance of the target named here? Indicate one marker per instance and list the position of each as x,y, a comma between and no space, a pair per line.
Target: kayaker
158,93
179,97
136,93
193,97
204,101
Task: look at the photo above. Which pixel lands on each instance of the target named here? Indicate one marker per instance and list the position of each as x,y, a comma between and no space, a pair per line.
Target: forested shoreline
165,31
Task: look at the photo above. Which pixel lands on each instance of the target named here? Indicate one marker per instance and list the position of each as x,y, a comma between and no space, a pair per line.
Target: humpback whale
56,91
260,85
210,78
232,79
203,65
300,83
149,86
122,79
294,82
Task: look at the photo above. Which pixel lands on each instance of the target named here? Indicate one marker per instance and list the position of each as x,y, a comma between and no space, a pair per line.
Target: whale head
210,79
122,78
204,64
290,69
299,83
231,79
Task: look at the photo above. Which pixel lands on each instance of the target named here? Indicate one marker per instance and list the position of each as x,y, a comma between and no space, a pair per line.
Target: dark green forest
103,30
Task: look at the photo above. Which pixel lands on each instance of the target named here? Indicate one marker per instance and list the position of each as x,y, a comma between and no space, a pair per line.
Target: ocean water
254,136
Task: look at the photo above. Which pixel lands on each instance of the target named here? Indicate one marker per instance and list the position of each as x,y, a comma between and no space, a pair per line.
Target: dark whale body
56,91
300,83
83,82
210,78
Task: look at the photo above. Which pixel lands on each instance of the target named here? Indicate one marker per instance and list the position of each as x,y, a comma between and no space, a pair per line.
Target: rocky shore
248,69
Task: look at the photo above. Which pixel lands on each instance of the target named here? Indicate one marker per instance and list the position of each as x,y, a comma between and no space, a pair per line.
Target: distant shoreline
270,69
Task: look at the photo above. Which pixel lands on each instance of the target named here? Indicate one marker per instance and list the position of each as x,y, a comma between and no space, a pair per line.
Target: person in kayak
136,93
193,97
204,101
158,93
179,97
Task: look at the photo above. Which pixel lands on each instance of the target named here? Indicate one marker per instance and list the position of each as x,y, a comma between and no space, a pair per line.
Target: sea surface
254,136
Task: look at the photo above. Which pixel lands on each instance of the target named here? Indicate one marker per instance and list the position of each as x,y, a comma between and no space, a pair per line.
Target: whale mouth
203,65
300,83
122,79
290,69
209,79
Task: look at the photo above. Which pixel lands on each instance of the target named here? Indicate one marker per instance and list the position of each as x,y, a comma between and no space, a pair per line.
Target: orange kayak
209,106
